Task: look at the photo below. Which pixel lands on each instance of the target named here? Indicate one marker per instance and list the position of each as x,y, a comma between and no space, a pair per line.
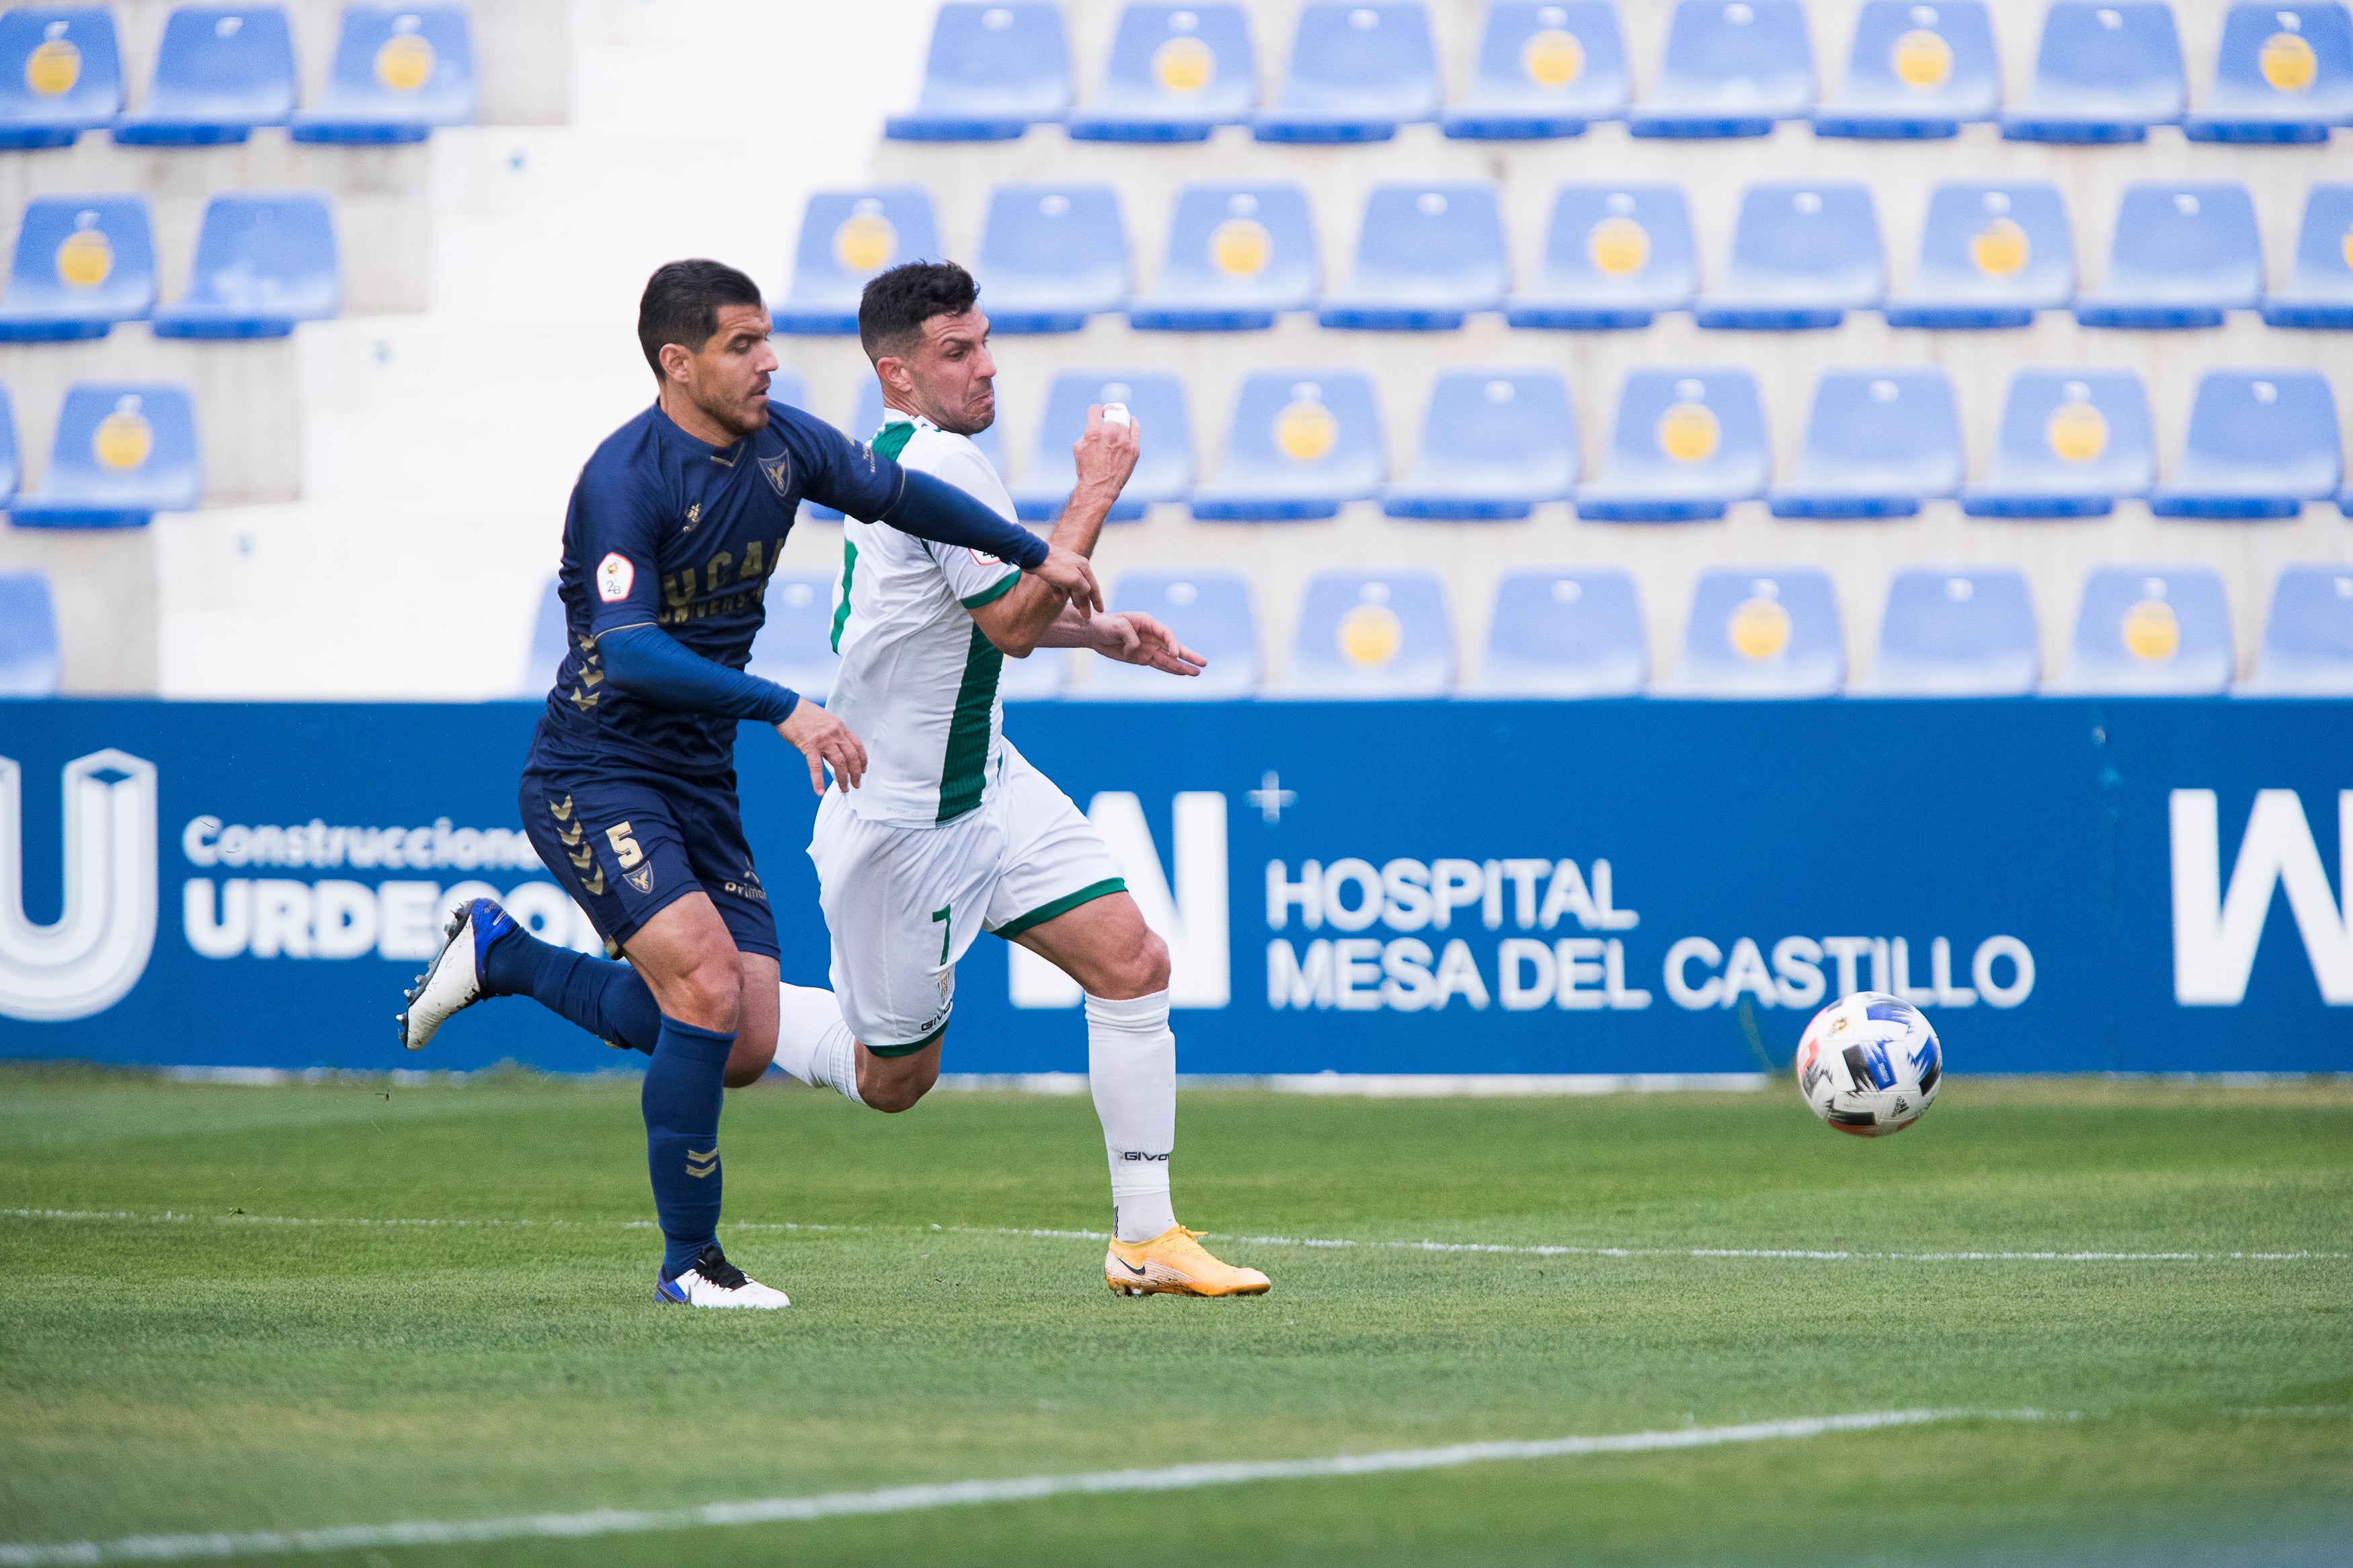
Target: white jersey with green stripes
918,681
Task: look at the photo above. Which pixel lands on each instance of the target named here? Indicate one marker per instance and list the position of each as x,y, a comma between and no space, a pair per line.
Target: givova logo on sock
98,947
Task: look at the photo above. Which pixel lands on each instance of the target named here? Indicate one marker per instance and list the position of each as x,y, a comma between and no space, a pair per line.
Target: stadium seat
1963,631
1357,73
1878,443
1372,633
28,635
1571,632
1041,678
60,74
2321,288
2308,636
1495,443
124,450
12,466
1917,72
1543,70
1990,256
1732,67
795,646
994,70
2260,444
2073,443
2282,74
1687,444
1803,256
265,261
220,71
1208,608
1303,444
2106,71
1164,471
1051,255
2150,631
83,263
847,237
1764,631
1427,255
1176,73
1238,257
400,71
2183,254
1614,257
550,641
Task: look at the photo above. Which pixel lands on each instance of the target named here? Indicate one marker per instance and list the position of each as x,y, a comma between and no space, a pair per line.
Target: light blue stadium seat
1990,256
1164,469
1303,444
1614,257
1802,257
994,71
220,71
2150,631
1732,67
1878,443
847,237
1051,255
1961,631
400,71
2073,443
2321,288
124,450
29,666
1543,69
12,468
83,263
1041,678
1176,71
60,74
866,421
1372,633
2308,636
2107,71
794,648
1357,73
1564,632
265,261
1238,257
2260,444
1687,444
550,642
1427,255
2284,73
2185,253
1208,608
1762,631
1495,443
1918,71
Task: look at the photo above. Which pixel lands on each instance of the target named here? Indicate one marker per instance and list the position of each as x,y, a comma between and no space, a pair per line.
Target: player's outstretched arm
1022,619
1129,637
651,666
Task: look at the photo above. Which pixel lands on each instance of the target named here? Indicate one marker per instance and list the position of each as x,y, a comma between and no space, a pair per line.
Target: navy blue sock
611,1001
683,1088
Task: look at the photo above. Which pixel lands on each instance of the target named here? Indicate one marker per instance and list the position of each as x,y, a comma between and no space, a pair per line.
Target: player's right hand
1105,456
826,743
1068,573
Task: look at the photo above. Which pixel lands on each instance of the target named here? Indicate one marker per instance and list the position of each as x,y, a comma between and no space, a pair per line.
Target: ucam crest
98,947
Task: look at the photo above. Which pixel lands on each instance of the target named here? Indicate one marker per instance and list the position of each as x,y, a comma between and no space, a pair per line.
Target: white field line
951,1494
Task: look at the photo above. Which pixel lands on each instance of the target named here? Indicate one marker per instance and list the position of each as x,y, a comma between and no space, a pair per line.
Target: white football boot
715,1282
453,980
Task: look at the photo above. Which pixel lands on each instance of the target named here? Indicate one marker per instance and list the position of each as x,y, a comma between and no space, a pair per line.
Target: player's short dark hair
683,301
898,301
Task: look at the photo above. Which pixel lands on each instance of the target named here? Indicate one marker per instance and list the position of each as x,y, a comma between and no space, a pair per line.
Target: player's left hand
1133,637
1105,456
1068,573
825,742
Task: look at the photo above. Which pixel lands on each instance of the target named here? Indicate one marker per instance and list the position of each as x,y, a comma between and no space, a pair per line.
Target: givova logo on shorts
99,946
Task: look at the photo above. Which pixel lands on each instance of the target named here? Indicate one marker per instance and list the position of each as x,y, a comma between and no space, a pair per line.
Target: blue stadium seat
795,646
847,237
60,74
994,71
2308,636
83,263
1917,72
1802,257
400,71
2260,444
2151,631
1208,608
1238,257
550,641
1164,470
124,450
1176,71
1732,67
2284,73
220,71
1762,631
1051,255
865,420
2073,443
1372,633
1357,73
1962,631
1495,443
265,261
1878,443
1687,444
1427,255
1039,678
1570,632
2184,253
12,468
1303,444
1614,257
2106,71
29,666
1543,69
1990,256
2321,288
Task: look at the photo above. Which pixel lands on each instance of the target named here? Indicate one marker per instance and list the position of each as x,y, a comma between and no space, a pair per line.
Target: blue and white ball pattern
1870,1064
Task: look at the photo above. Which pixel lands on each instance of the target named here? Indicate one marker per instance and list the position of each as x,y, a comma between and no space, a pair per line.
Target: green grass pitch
226,1369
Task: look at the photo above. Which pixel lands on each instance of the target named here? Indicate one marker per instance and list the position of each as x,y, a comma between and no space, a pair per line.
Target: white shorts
903,903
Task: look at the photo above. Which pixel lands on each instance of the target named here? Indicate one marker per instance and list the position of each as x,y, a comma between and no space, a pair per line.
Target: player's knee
900,1090
1143,970
712,992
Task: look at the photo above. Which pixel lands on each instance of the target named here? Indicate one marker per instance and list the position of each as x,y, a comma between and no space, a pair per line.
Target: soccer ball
1869,1064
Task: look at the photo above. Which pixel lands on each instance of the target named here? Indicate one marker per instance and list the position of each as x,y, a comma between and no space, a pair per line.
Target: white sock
812,1042
1131,1068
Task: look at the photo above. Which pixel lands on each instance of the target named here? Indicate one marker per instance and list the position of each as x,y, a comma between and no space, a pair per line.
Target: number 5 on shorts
625,849
947,927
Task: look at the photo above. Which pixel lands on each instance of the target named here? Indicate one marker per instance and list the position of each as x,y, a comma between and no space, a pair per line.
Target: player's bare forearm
1017,621
1104,457
1128,637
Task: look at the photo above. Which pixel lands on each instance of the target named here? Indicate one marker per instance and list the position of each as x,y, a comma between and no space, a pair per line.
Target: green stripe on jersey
892,439
994,591
964,771
841,611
